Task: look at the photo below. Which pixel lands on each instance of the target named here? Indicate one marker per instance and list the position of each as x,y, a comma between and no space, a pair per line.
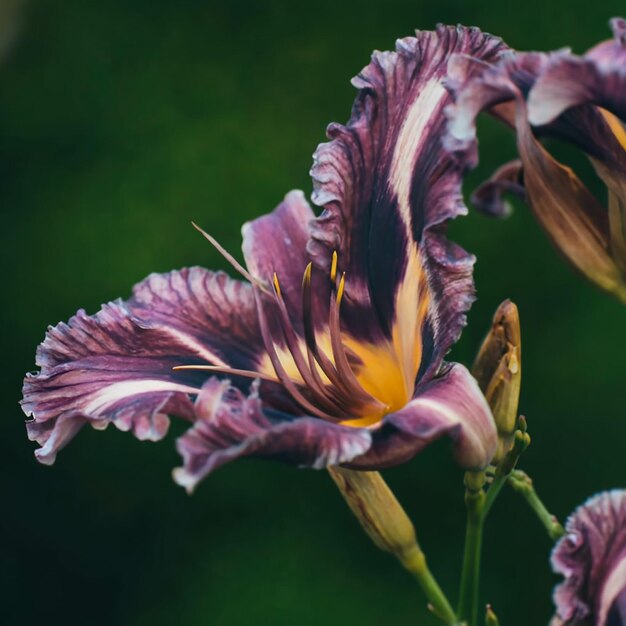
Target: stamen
325,364
309,373
340,289
277,285
231,259
333,266
316,357
339,352
306,279
220,369
281,373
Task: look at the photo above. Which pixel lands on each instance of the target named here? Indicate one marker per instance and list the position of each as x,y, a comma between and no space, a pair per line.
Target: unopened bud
491,619
378,511
498,370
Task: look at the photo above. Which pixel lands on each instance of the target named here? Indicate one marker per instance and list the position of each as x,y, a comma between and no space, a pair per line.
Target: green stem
415,562
386,523
495,488
521,441
470,577
523,484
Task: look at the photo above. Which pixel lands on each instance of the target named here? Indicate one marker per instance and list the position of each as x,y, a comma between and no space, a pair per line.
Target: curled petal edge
231,425
451,404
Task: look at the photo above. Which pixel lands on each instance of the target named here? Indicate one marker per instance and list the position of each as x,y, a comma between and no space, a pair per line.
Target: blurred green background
120,122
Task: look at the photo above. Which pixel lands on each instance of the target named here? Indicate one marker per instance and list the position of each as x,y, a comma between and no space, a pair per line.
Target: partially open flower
343,322
592,558
579,100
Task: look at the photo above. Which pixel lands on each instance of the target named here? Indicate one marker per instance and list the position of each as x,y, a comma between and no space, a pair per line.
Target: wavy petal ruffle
386,183
592,558
232,425
116,366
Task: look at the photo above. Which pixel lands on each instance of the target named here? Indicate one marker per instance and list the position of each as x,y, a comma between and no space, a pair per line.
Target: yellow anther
306,279
333,266
340,288
276,285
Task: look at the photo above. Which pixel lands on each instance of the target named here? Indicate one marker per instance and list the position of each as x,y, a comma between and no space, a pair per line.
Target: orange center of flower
354,382
328,372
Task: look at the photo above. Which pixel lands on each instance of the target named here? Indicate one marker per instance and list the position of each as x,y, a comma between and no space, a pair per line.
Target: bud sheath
377,509
498,370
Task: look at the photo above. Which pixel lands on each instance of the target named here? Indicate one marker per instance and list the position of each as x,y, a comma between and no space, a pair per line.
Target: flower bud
378,511
491,619
498,370
388,526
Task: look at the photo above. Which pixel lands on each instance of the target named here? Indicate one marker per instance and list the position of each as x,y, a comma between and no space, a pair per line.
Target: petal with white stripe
386,184
116,366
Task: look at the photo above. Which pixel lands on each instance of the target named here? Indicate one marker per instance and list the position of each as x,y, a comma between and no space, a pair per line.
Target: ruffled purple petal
213,315
599,77
592,558
385,183
116,366
571,216
451,404
232,425
507,179
569,84
276,243
477,86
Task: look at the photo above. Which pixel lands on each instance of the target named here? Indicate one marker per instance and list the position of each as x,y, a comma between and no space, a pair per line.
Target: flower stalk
478,503
497,369
470,577
523,484
389,527
521,441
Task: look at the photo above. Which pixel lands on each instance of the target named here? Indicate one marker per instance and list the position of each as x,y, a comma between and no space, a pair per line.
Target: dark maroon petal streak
592,558
116,366
617,613
231,425
386,184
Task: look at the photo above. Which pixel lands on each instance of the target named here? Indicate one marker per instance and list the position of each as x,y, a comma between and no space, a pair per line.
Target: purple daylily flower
592,558
342,323
581,100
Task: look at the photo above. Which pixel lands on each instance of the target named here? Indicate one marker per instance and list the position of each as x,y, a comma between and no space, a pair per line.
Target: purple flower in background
592,558
342,323
581,100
